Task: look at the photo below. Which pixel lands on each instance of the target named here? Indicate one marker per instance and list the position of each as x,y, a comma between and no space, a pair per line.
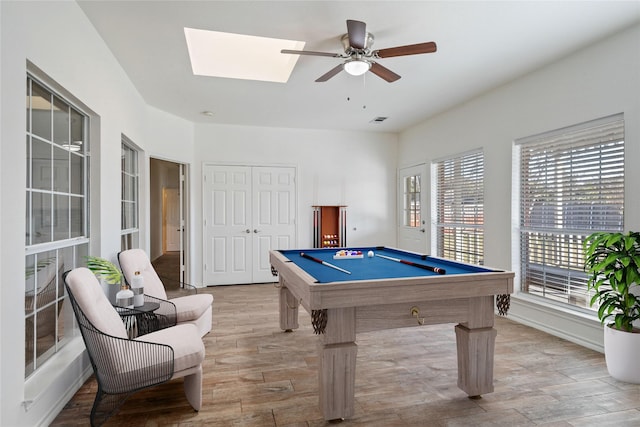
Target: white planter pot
621,350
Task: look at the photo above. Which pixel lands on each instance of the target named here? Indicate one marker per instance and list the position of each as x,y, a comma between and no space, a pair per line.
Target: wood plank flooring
256,375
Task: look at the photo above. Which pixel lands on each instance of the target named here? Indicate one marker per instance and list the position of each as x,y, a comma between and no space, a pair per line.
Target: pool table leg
288,310
337,352
475,342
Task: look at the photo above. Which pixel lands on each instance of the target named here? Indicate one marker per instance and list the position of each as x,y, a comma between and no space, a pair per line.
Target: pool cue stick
319,261
415,264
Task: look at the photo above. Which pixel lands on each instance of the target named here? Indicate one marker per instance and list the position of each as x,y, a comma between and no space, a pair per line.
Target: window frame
47,259
130,171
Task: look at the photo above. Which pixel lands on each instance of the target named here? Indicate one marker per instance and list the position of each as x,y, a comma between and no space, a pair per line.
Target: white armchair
123,366
196,309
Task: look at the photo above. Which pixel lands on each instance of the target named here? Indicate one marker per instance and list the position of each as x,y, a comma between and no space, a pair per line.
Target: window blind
571,184
460,207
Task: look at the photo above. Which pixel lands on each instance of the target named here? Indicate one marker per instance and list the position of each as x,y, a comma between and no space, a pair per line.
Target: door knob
422,230
255,230
247,231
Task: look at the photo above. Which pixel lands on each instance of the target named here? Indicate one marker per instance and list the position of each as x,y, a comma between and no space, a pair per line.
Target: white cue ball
370,254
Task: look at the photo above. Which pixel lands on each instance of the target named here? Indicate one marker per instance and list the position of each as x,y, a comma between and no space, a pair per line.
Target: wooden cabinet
329,226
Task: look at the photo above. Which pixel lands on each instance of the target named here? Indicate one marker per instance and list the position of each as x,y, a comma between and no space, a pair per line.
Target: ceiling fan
359,58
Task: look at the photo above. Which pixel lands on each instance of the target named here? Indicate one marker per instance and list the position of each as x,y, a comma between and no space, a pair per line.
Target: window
130,199
571,183
458,207
412,209
56,237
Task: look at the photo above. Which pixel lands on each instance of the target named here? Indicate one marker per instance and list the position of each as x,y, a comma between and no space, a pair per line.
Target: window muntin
56,237
130,196
571,185
412,194
459,207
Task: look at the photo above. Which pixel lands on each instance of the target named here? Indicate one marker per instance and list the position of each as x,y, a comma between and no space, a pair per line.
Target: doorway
412,229
168,213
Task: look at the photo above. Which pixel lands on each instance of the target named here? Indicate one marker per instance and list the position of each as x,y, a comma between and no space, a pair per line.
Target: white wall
597,82
356,169
57,38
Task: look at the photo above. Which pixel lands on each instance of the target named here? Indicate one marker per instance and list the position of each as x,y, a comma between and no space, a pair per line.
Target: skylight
238,56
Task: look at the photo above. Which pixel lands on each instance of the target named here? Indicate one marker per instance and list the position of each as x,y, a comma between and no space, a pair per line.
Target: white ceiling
481,45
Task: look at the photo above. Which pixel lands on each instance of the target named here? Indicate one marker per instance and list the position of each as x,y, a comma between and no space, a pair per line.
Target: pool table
380,293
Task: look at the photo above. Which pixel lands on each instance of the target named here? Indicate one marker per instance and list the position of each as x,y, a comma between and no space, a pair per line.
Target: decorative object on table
612,260
194,308
107,270
137,286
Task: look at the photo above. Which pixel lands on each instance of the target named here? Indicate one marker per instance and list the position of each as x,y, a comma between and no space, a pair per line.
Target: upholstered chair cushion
137,260
191,307
188,349
87,291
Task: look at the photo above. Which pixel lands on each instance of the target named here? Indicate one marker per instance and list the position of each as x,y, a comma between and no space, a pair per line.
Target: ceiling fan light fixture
356,67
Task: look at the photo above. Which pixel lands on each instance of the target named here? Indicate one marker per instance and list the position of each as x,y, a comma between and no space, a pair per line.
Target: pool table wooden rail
317,296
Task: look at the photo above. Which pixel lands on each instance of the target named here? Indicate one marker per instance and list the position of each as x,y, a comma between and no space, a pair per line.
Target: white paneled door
248,210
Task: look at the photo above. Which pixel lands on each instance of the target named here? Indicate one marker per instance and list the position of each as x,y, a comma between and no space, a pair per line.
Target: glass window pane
28,162
60,217
60,169
81,254
41,112
60,122
30,282
40,217
28,220
77,217
41,165
77,129
29,345
28,109
77,174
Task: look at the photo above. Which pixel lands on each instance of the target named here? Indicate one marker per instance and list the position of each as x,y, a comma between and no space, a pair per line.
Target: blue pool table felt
373,268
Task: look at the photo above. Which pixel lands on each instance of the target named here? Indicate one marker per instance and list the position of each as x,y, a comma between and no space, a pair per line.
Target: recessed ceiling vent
378,120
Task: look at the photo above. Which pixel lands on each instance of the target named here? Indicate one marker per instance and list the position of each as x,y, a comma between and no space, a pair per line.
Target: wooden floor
256,375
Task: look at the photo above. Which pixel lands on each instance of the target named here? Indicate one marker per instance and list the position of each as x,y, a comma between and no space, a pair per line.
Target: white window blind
571,184
459,207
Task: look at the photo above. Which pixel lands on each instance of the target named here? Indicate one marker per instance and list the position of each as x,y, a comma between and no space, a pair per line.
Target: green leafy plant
104,269
612,261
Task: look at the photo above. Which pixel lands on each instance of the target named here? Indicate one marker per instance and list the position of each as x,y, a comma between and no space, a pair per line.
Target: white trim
72,363
579,328
571,128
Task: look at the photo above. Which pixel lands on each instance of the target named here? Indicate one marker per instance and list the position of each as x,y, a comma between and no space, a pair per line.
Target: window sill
51,378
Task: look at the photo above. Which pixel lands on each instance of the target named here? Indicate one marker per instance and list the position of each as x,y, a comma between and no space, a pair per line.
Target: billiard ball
370,254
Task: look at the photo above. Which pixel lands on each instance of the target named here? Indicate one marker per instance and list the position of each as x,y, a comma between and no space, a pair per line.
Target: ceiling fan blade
357,31
310,52
383,72
411,49
332,72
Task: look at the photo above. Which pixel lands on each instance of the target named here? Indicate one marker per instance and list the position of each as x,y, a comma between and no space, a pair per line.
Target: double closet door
248,210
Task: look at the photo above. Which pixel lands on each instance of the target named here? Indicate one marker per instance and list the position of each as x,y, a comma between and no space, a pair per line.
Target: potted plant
107,270
612,260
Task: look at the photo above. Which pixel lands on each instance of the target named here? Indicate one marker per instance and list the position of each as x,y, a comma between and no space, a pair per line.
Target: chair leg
193,388
105,405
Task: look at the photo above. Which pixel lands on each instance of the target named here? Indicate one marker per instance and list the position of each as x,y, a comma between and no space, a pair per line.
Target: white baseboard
579,328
